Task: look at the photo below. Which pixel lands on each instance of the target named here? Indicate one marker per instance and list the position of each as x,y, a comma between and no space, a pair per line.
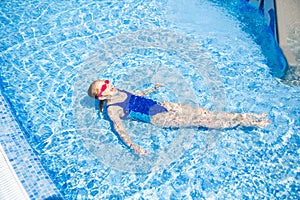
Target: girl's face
106,89
109,91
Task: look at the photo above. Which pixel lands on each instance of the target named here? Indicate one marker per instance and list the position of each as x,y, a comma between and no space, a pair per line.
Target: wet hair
93,92
101,105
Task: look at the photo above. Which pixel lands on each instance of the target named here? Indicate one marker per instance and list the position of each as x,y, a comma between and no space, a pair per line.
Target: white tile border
10,185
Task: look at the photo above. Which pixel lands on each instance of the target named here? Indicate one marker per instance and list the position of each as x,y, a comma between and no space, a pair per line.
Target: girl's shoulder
120,97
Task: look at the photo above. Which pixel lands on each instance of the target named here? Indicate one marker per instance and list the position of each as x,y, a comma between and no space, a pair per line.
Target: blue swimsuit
139,108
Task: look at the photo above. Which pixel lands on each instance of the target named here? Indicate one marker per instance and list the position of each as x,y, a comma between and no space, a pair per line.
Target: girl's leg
183,115
229,120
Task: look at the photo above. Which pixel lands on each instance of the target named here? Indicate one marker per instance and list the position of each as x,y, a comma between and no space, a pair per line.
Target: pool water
203,52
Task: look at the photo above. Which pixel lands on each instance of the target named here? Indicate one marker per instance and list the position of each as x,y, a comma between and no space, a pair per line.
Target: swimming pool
206,53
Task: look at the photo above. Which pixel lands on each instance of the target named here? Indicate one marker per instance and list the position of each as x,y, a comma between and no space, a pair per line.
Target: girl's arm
114,115
143,93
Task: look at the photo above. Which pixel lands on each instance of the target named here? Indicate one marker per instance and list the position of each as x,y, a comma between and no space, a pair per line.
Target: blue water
203,53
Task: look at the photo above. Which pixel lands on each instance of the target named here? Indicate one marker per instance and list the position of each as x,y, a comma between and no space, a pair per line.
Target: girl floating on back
122,104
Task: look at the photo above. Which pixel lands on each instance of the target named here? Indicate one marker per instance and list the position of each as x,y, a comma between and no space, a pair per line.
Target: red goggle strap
103,88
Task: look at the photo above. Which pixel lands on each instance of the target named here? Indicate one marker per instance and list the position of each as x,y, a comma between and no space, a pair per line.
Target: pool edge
24,161
286,13
11,187
281,16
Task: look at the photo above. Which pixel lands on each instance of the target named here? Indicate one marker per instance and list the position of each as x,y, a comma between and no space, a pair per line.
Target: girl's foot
259,120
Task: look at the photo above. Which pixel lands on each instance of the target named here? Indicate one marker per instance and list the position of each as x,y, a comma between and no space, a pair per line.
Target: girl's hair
94,89
101,105
93,92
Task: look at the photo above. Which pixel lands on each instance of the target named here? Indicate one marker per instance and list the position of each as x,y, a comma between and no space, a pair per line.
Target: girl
122,104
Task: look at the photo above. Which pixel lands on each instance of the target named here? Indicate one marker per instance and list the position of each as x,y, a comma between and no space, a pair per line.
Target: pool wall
276,59
268,9
283,18
24,161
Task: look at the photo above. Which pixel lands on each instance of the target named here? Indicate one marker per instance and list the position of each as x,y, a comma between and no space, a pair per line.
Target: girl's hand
139,150
157,86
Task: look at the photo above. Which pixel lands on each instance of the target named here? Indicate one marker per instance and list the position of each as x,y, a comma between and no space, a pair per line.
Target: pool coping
11,187
287,17
25,164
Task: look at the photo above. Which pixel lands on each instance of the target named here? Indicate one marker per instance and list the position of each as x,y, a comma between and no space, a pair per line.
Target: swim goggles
103,88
